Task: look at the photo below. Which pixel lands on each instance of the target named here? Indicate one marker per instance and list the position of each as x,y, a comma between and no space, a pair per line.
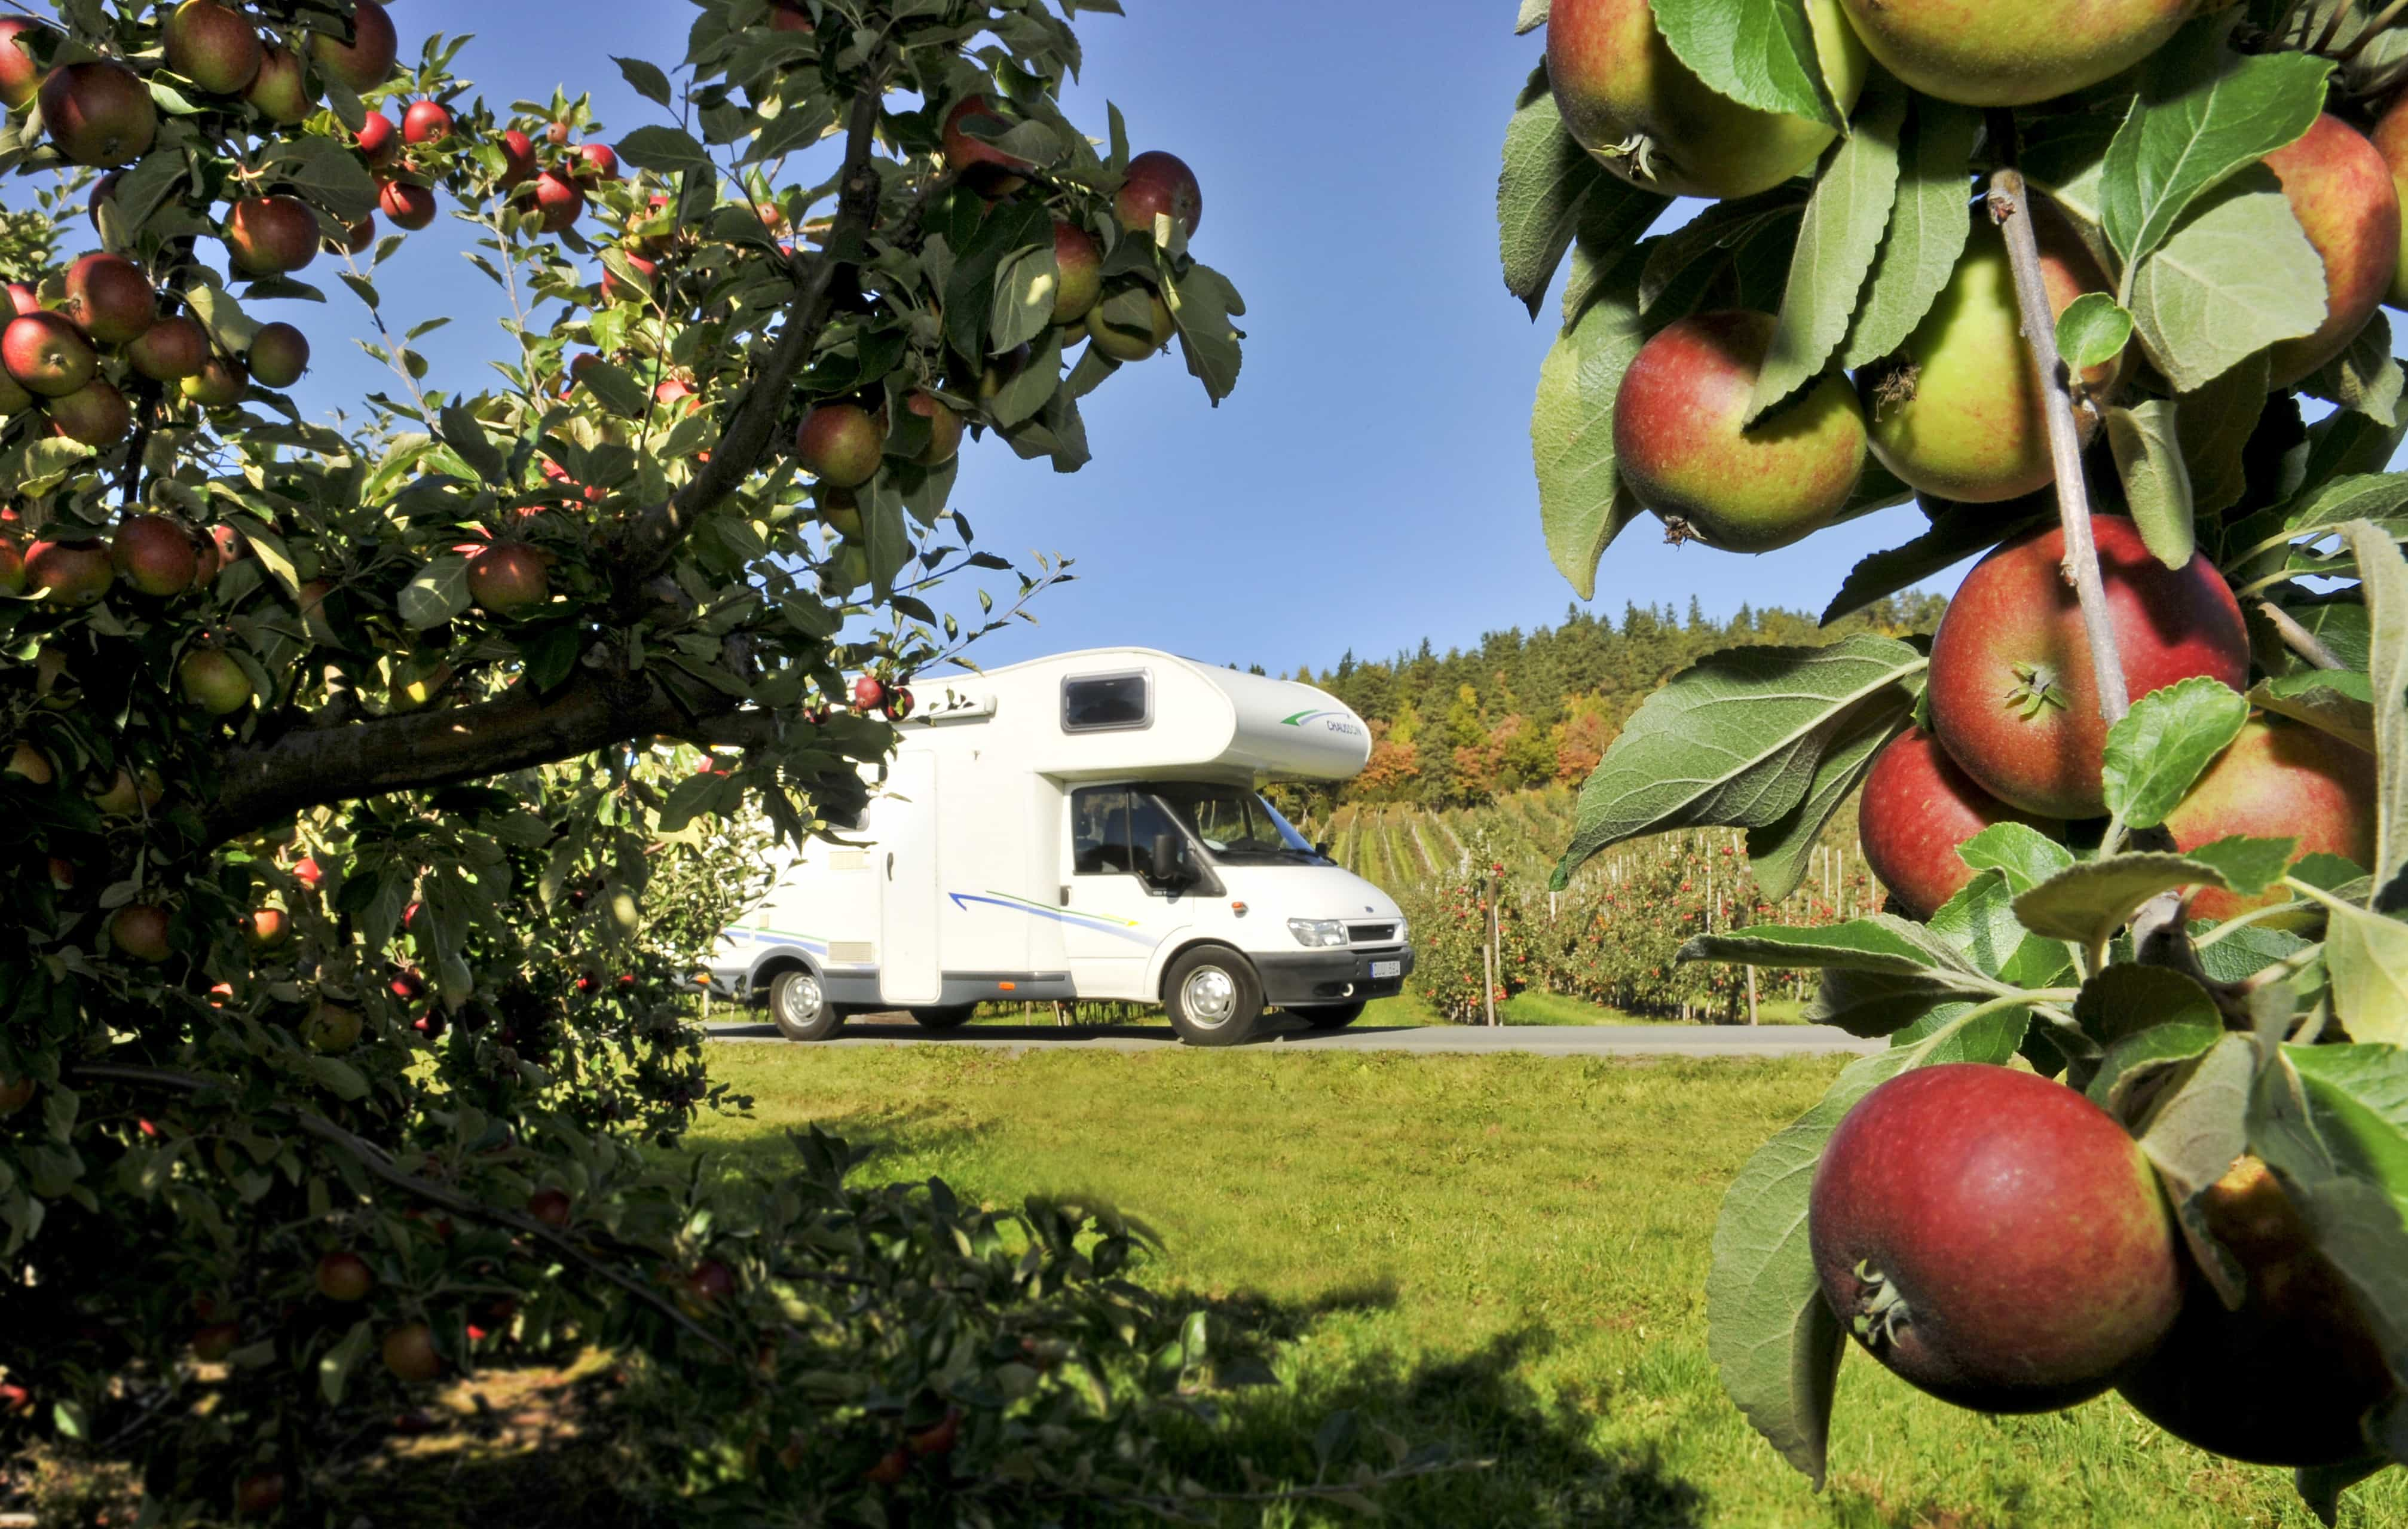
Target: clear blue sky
1370,484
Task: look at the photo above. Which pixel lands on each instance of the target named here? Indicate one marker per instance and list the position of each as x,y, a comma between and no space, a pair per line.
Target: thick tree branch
2011,205
746,438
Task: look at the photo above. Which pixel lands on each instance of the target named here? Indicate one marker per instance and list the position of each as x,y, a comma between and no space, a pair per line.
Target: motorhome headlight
1318,933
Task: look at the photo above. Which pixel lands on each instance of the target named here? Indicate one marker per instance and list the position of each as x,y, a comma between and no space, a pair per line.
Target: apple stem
2008,205
2297,638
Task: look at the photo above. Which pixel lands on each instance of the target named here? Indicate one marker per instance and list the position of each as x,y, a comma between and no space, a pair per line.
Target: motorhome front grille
1370,934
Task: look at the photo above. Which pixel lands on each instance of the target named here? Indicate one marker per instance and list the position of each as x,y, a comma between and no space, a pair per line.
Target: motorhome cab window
1112,830
1236,826
1095,703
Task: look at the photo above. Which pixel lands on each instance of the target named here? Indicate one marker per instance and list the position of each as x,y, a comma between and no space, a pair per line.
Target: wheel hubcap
800,1000
1209,996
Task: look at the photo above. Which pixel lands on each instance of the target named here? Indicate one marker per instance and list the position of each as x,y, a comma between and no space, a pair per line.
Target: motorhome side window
1099,702
1112,830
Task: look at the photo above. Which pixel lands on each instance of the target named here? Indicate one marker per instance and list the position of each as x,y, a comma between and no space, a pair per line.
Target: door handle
890,865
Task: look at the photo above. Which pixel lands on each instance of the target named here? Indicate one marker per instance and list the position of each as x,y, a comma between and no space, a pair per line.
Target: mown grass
1502,1254
1533,1007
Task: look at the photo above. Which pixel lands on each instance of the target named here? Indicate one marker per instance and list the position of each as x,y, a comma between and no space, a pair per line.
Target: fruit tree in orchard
359,861
2097,287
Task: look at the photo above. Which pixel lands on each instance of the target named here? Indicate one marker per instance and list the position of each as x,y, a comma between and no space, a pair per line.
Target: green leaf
1534,16
2142,1056
2248,866
646,80
1957,532
1836,245
2337,701
1758,52
437,594
1780,854
1732,740
2025,855
326,173
1583,505
1550,189
2157,753
2384,574
2092,330
670,150
1883,944
2236,276
2357,1096
2089,903
2365,955
2157,482
335,1366
2193,1131
1980,921
1023,296
1770,1333
2213,424
1927,233
465,432
1202,302
616,389
2365,376
2203,113
336,1076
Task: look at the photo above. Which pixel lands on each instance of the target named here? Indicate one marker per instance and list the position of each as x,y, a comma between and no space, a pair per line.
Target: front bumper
1306,977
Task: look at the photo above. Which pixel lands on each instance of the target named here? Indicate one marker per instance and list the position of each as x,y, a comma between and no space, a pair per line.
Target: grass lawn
1522,1008
1505,1254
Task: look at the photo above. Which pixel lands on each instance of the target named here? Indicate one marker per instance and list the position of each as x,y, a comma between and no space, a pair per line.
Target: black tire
1213,995
1329,1016
953,1017
798,1007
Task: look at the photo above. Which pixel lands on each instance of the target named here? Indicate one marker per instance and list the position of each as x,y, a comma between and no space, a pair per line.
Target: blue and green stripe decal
1127,929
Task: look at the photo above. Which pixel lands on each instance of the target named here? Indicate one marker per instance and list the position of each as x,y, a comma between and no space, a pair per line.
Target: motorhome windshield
1235,825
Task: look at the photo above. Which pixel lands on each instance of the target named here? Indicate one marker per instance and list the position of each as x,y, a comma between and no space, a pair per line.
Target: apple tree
369,782
2099,288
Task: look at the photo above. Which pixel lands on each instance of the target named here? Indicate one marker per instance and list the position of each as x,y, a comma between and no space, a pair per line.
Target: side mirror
1169,859
1321,848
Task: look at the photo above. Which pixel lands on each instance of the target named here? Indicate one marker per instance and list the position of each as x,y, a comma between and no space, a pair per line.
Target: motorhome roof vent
1100,703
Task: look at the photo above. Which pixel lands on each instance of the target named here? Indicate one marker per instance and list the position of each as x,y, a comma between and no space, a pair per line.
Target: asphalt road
1537,1040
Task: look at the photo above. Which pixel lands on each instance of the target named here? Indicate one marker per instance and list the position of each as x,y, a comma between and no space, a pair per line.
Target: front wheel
798,1007
952,1016
1329,1016
1214,996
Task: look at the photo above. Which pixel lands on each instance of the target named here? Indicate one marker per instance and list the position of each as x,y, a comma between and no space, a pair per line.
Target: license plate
1387,968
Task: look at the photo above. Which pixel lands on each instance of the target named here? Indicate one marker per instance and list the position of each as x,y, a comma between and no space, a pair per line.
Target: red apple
1158,183
111,297
47,354
281,89
221,383
711,1282
212,1343
557,198
95,414
1917,809
366,59
268,236
155,555
840,444
266,928
2280,780
357,239
549,1206
1994,1237
15,1094
378,139
982,167
788,16
2340,191
103,190
99,113
140,933
212,46
75,573
2004,56
29,764
170,351
331,1028
277,356
125,795
868,692
898,705
1080,261
518,157
425,122
20,77
598,160
409,205
1678,434
259,1494
944,429
2012,696
411,1355
508,578
212,680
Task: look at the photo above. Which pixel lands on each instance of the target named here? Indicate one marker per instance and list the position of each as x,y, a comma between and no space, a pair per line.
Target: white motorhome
1083,827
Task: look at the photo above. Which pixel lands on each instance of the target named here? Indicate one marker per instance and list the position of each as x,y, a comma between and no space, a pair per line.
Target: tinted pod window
1101,701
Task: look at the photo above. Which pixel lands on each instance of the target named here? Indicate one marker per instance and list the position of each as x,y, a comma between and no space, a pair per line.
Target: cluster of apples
842,443
1955,412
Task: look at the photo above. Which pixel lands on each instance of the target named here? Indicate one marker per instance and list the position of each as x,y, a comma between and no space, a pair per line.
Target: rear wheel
952,1016
1329,1016
1214,996
798,1007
